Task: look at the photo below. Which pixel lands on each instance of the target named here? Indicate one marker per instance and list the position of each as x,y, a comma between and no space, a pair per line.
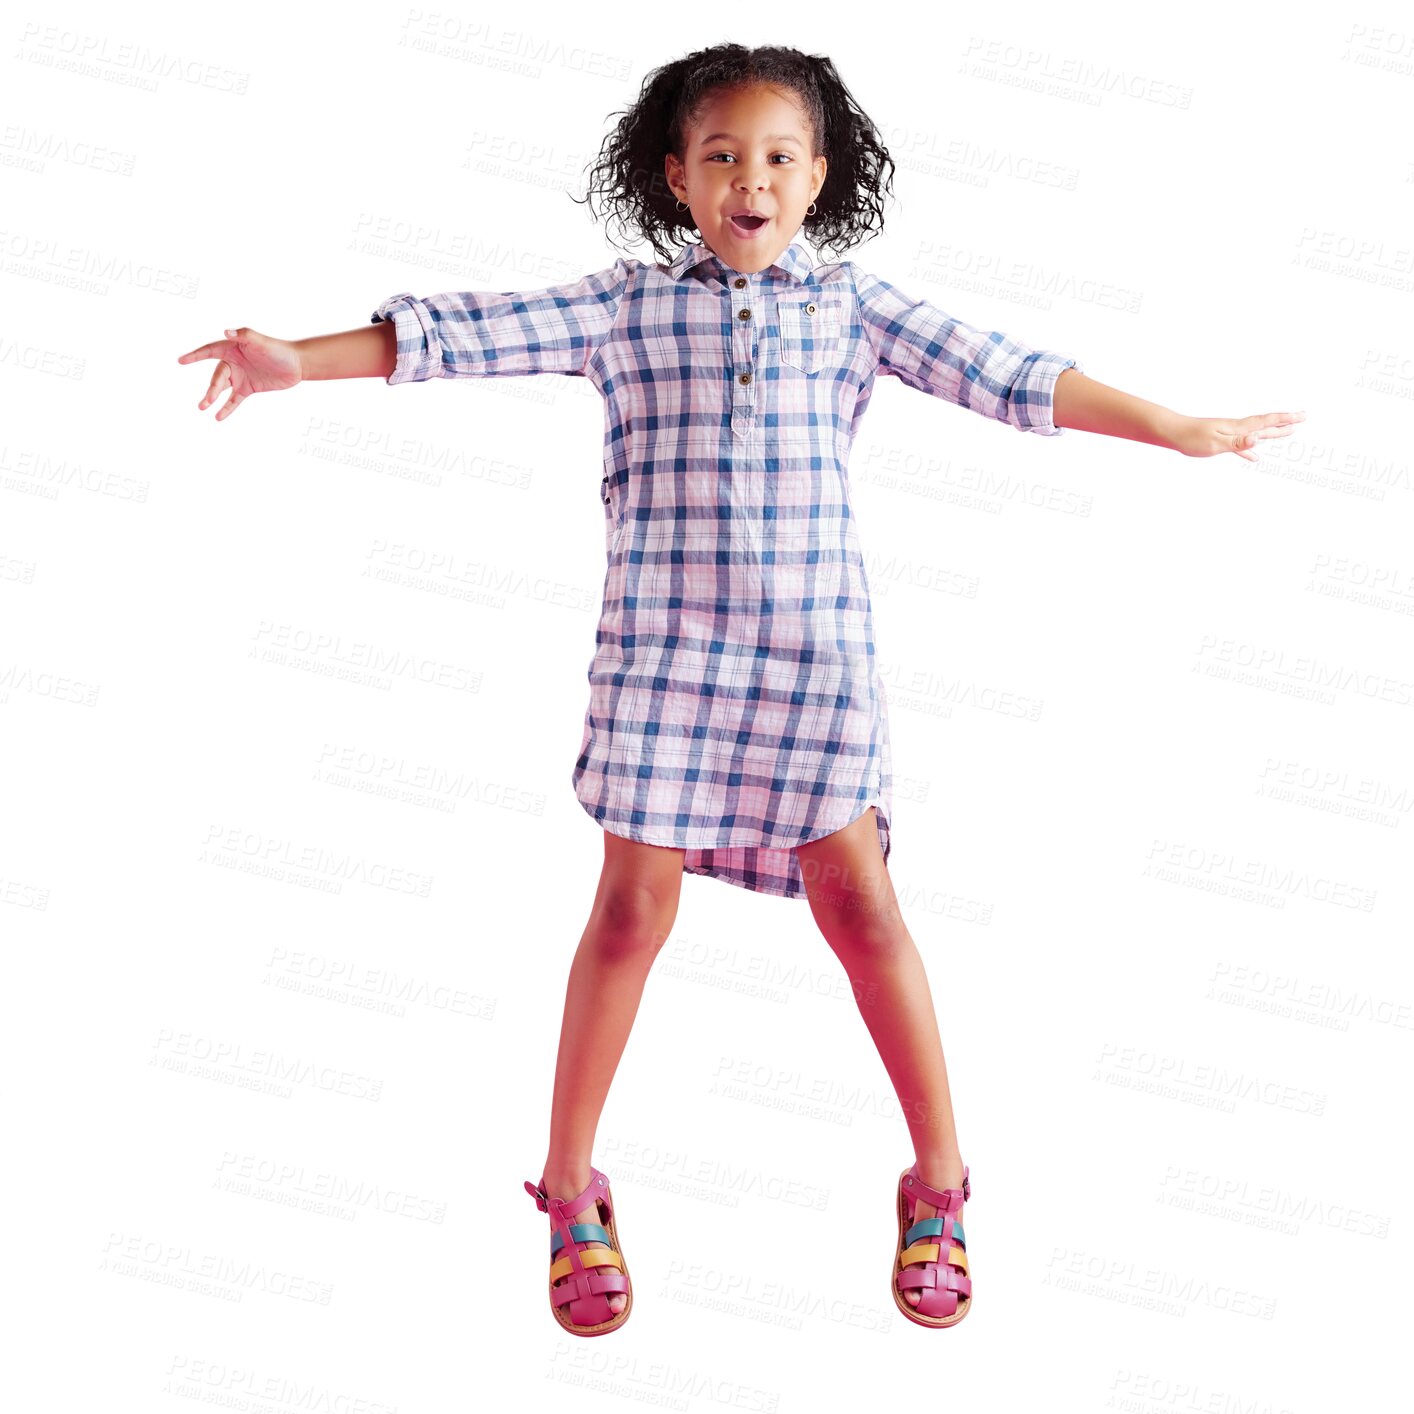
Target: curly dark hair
629,178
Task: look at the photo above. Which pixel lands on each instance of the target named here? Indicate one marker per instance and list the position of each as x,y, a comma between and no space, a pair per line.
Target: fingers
1231,439
219,380
1240,435
1272,424
216,349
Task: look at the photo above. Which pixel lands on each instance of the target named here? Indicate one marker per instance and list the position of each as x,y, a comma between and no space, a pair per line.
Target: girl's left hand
1207,436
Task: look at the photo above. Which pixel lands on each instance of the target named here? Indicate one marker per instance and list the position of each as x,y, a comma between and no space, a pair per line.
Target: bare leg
633,914
852,898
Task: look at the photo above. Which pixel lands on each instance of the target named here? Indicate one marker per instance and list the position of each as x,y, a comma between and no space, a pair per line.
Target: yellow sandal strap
928,1252
592,1257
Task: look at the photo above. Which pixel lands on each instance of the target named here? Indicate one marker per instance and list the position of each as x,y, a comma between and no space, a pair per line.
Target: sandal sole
932,1322
603,1327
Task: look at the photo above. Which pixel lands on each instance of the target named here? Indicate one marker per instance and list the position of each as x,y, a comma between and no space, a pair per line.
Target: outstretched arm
1088,405
465,334
252,362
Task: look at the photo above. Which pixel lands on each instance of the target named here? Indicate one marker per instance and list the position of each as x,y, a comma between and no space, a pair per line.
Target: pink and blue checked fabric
735,707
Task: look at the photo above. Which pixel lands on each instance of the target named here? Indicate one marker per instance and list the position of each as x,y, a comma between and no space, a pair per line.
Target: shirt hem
762,884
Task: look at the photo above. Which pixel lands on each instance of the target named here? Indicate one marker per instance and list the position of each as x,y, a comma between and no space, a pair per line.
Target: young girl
737,724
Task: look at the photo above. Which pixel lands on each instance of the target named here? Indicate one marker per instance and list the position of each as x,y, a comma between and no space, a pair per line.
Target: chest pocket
812,333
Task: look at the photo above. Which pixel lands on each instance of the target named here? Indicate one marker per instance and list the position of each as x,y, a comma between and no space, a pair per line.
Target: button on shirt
735,704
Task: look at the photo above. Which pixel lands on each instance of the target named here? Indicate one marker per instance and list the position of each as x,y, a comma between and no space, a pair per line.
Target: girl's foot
617,1299
947,1174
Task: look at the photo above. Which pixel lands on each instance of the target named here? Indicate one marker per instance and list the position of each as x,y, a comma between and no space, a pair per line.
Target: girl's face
749,150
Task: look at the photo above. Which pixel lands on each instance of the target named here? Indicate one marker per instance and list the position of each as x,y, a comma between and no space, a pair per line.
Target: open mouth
745,225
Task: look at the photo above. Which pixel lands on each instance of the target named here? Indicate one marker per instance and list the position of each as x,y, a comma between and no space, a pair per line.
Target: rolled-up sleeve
984,370
476,334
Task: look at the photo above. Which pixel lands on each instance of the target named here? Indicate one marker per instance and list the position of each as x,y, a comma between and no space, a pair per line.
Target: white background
293,871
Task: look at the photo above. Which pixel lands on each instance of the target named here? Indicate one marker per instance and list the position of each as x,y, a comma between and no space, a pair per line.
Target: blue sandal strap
581,1232
934,1227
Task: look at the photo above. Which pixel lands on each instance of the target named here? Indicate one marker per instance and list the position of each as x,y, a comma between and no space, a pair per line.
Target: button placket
744,345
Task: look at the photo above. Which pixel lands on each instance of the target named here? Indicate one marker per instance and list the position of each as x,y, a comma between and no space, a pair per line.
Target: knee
632,921
861,930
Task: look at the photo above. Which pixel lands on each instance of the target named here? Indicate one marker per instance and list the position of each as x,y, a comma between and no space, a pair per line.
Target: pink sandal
943,1284
581,1300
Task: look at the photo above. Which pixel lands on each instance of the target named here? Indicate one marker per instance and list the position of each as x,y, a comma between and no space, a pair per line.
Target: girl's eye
716,155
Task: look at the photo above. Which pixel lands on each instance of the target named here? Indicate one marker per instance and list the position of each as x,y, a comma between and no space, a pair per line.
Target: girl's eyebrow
770,137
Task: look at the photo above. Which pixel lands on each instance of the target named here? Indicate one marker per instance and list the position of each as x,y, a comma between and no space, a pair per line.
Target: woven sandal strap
932,1252
594,1257
935,1227
598,1188
580,1232
917,1189
936,1279
590,1284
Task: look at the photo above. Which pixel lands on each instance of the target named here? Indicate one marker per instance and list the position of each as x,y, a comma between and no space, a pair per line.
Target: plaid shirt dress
735,707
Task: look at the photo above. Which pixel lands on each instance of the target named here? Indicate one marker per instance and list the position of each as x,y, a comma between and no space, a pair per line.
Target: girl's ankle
566,1181
941,1167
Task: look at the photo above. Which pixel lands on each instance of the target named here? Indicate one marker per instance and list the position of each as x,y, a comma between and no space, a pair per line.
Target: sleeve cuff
1035,394
419,353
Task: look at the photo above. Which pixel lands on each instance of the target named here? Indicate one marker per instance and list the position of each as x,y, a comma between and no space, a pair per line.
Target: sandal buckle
542,1198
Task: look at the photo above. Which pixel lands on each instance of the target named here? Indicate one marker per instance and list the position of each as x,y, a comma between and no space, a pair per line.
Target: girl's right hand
250,363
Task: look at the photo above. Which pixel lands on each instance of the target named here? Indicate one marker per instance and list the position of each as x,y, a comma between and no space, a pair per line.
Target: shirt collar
795,261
